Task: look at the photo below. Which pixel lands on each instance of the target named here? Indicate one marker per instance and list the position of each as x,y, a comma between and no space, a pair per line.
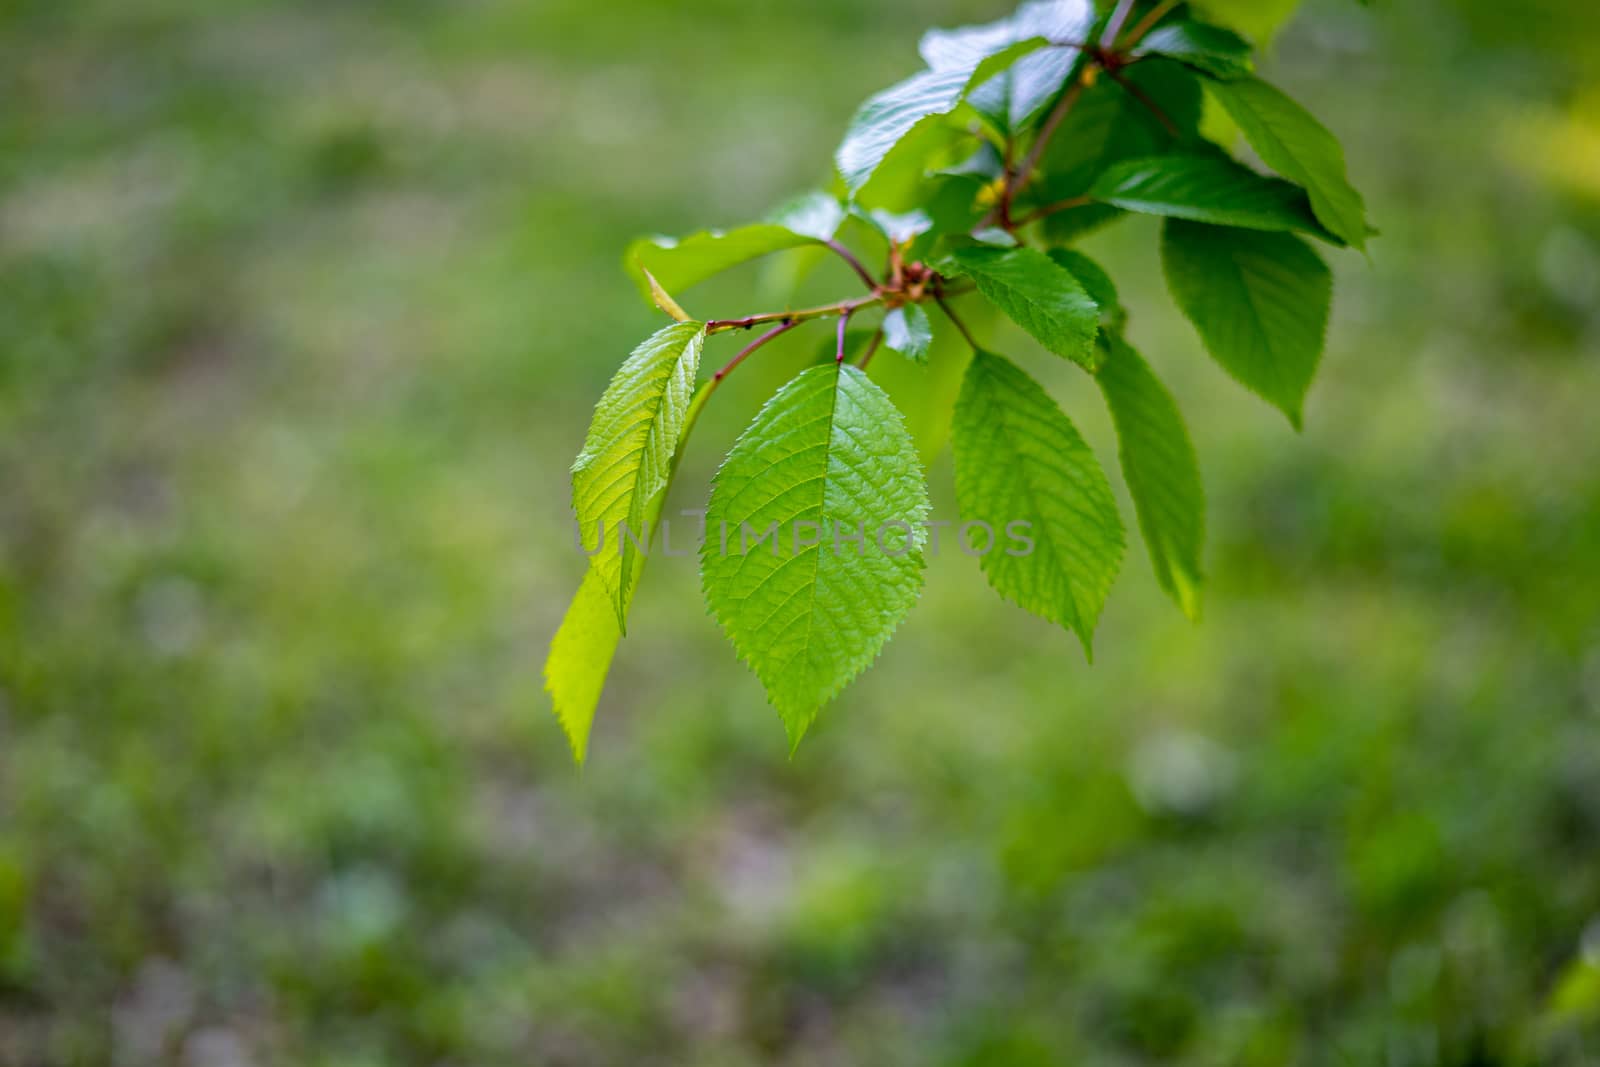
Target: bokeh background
303,308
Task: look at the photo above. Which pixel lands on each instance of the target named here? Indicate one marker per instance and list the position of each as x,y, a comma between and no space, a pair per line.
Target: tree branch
749,349
1148,23
872,349
951,315
716,326
855,264
1114,27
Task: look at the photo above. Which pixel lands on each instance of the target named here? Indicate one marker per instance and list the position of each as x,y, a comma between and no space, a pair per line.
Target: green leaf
1105,126
580,658
1036,294
1293,143
1259,301
678,264
826,456
1163,475
626,462
1014,77
887,118
1256,19
1091,275
1096,282
1212,49
908,331
1208,188
1020,459
816,215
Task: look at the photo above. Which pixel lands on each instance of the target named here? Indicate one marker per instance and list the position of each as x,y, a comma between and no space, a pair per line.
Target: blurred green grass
302,311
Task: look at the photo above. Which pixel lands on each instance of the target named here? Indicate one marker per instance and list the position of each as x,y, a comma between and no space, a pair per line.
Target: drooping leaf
1019,459
1036,294
1208,188
1259,301
908,331
1162,472
1293,143
1212,49
885,119
580,658
626,462
827,456
678,264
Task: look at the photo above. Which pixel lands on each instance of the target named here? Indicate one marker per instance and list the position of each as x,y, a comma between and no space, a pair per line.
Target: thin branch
855,264
1114,27
951,315
872,349
844,325
1040,143
1144,98
826,311
749,349
1148,23
1050,209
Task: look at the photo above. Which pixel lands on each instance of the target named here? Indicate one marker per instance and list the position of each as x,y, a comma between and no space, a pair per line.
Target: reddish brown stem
1050,209
951,315
1119,17
1148,23
844,325
872,349
749,349
855,264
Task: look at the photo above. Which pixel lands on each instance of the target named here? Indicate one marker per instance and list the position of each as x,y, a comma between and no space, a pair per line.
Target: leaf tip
661,298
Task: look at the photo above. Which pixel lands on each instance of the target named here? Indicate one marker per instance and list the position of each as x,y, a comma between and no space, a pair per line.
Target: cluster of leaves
974,178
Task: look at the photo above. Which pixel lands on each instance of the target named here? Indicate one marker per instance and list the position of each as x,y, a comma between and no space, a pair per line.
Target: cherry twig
872,349
716,326
1148,23
745,353
855,264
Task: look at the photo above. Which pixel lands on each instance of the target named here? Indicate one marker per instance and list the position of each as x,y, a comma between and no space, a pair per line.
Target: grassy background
303,307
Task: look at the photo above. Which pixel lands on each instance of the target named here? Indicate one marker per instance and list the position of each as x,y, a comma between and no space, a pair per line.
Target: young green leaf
908,331
1208,188
1212,49
676,265
1259,301
580,658
887,118
1019,459
1162,472
626,462
663,300
1036,294
808,606
1293,143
